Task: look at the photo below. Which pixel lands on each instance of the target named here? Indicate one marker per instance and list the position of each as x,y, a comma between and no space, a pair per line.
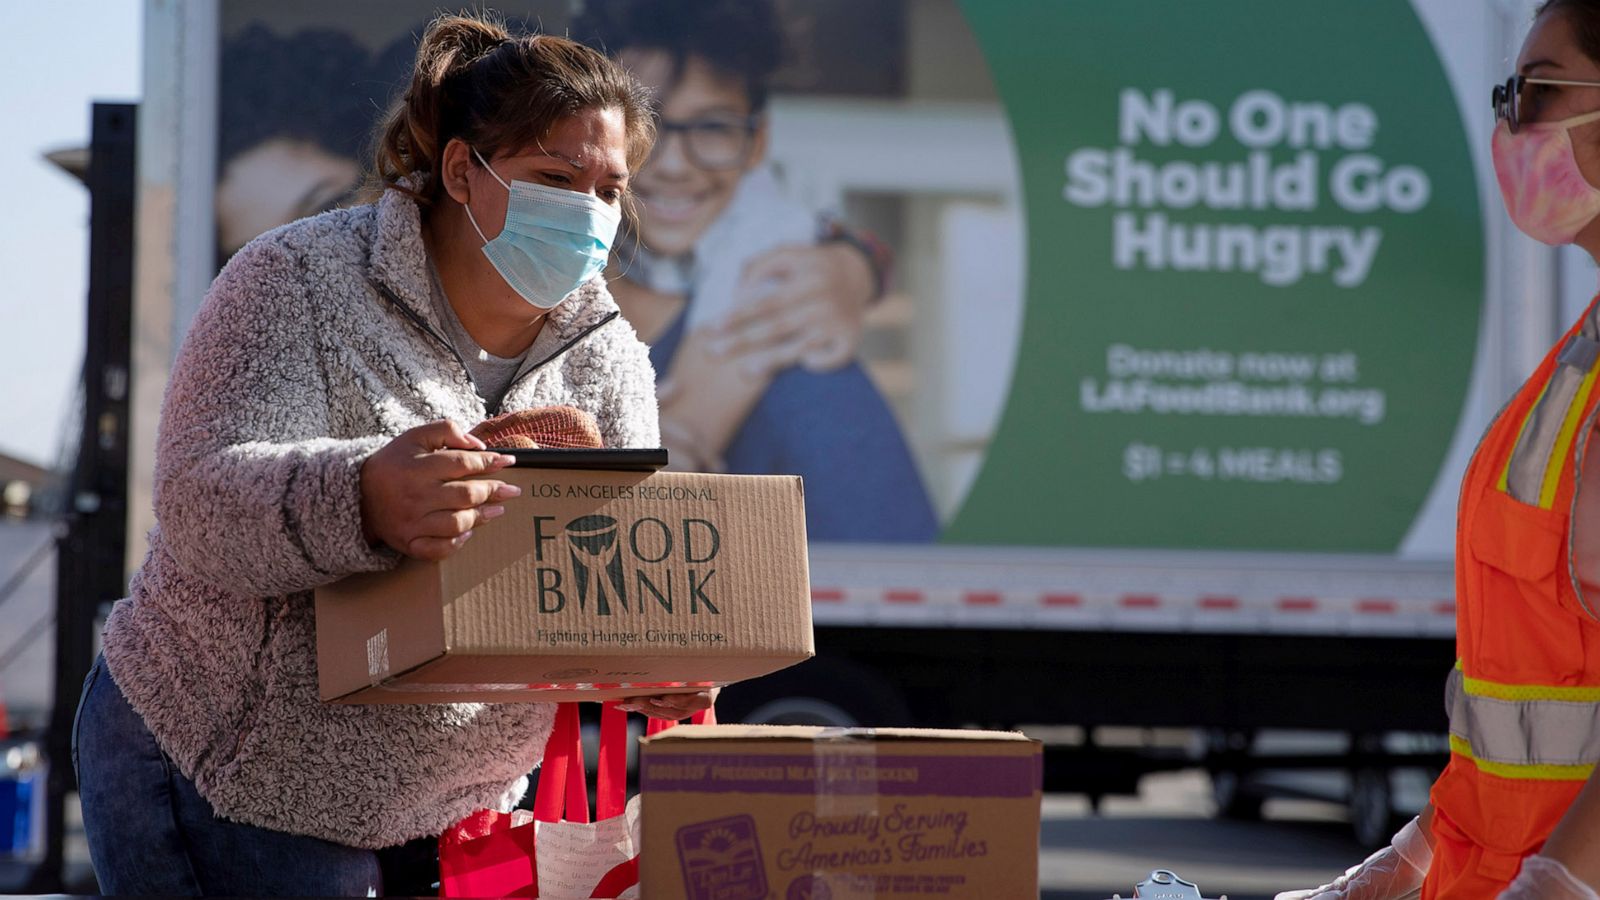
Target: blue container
16,812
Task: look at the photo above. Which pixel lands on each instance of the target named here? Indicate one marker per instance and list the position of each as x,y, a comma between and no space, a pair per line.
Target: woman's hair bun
475,81
453,42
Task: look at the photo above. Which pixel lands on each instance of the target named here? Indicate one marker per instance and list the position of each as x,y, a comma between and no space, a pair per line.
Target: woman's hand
670,706
1394,873
1543,878
800,304
686,449
703,401
415,496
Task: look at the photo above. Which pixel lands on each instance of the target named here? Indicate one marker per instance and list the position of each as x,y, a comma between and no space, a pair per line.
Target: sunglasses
1514,101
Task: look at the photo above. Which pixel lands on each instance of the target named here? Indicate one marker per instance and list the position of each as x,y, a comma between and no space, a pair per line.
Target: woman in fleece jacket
316,426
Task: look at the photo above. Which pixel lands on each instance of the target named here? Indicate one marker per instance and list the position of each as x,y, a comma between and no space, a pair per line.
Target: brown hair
496,91
1584,15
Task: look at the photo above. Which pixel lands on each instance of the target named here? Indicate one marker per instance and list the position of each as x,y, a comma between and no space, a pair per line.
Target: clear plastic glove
1393,873
1543,878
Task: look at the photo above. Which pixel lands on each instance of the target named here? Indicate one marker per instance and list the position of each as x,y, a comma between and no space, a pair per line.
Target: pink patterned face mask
1545,192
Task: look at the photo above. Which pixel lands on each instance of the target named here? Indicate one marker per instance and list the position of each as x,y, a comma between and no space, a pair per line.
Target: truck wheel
1371,807
1225,750
1232,800
825,692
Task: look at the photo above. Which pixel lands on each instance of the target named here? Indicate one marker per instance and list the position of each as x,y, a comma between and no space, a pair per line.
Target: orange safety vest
1524,699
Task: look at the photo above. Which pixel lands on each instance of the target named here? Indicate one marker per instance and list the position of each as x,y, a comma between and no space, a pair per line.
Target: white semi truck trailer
1195,316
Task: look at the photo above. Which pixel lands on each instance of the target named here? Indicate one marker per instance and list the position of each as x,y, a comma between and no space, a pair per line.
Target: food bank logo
617,569
721,860
595,560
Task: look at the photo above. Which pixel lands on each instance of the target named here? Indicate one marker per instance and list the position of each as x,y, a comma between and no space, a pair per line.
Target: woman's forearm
711,396
1576,841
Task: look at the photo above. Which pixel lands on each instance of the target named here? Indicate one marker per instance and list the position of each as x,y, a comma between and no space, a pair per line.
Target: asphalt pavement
1084,856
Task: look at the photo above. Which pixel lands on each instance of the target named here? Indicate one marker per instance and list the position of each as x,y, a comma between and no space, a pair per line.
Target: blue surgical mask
553,240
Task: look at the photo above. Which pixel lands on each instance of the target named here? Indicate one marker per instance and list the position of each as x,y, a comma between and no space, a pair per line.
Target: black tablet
586,458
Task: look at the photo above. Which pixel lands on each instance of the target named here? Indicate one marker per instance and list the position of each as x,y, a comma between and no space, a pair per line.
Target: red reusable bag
493,854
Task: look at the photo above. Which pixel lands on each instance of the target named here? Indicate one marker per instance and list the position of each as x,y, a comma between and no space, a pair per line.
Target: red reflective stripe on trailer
819,595
1296,604
902,596
1445,607
1141,601
982,598
1219,602
1061,600
1377,605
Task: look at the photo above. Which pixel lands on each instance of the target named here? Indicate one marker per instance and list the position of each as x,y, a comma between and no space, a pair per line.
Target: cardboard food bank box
593,585
743,812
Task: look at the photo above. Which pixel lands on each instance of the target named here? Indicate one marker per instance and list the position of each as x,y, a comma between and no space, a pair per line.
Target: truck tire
1226,756
1233,800
1371,807
835,693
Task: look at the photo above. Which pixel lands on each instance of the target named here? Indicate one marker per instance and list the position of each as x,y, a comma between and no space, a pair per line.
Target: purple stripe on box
845,773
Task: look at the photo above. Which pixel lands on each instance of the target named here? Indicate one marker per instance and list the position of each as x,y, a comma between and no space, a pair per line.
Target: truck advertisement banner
997,273
1253,287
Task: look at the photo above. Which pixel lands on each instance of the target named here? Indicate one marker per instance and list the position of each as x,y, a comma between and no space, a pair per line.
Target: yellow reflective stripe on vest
1533,473
1540,732
1461,747
1497,690
1569,428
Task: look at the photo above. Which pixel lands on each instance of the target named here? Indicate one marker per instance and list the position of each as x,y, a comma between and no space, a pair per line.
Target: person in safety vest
1516,813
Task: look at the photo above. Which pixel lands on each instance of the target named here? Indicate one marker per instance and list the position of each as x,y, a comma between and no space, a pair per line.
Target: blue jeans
150,832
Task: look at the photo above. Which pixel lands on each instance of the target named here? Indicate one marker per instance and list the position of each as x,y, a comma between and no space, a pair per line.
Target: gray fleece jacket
316,345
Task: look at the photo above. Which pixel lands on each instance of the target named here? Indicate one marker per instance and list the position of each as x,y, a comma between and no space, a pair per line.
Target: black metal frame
92,548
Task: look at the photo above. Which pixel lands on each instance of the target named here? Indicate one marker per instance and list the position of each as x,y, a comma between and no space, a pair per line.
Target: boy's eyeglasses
1513,100
714,142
